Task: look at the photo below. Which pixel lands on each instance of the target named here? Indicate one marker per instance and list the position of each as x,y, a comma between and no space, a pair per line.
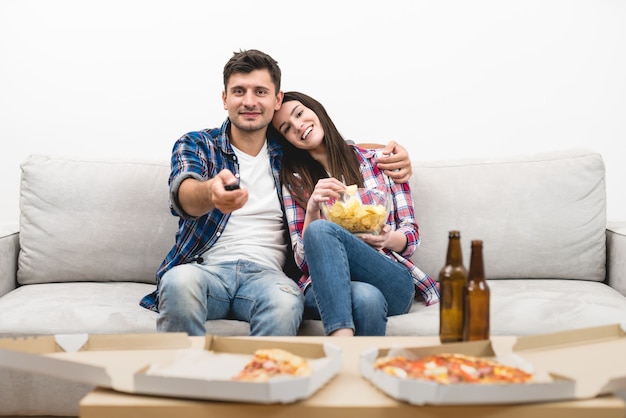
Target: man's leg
269,300
189,294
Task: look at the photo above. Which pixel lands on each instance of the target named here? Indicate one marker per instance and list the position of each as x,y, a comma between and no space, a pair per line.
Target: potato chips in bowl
359,210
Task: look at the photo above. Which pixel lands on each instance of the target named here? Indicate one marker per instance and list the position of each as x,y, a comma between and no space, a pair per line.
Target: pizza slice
452,368
272,362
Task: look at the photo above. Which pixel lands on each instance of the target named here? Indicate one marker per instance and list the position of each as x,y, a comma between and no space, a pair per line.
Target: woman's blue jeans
190,294
352,284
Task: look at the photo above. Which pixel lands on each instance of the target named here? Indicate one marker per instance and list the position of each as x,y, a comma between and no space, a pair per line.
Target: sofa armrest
9,249
616,256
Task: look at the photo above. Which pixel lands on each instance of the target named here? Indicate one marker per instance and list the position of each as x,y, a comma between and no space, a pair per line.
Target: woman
352,283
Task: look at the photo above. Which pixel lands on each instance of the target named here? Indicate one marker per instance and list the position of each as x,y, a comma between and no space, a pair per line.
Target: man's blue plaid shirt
202,155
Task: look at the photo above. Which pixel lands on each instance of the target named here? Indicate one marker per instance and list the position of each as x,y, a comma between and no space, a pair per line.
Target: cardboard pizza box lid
90,359
593,357
121,362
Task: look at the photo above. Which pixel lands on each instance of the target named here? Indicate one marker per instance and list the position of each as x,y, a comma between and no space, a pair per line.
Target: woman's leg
369,310
336,257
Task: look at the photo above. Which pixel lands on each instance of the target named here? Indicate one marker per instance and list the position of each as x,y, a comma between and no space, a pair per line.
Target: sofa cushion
88,307
539,216
528,307
93,220
68,308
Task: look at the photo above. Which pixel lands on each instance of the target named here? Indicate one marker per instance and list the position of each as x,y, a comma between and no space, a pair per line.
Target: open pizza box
568,365
170,364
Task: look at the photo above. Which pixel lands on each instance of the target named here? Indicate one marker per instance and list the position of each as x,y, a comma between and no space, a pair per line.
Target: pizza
452,368
272,362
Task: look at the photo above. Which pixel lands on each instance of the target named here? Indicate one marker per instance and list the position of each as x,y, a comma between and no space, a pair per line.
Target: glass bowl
364,211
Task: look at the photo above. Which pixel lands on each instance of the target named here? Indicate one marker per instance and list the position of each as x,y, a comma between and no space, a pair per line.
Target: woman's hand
325,189
388,238
379,241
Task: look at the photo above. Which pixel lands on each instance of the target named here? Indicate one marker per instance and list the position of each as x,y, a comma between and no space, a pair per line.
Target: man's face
251,100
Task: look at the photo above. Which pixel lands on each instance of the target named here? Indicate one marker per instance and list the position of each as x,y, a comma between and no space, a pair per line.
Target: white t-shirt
256,231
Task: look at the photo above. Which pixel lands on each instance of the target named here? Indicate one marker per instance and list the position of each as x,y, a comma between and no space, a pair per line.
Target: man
231,249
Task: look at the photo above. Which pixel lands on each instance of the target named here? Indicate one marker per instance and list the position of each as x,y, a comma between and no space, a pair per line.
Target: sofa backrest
93,220
539,216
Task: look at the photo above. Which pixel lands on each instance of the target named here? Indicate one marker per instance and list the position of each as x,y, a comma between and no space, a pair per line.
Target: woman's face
299,125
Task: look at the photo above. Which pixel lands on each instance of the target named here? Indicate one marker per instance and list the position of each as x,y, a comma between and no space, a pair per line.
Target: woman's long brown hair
300,172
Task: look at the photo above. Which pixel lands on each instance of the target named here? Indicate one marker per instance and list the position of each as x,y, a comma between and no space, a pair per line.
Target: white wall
446,78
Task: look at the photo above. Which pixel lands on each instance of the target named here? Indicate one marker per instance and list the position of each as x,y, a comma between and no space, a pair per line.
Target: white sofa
92,233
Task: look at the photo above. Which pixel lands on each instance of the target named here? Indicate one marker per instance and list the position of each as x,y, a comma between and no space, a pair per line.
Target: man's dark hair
249,60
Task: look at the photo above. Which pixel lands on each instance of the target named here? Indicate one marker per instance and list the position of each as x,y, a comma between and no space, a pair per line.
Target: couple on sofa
274,161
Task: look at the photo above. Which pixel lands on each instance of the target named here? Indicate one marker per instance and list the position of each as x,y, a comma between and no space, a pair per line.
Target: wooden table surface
346,394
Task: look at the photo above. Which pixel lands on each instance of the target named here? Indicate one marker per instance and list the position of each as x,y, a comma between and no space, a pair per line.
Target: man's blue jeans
352,284
190,294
